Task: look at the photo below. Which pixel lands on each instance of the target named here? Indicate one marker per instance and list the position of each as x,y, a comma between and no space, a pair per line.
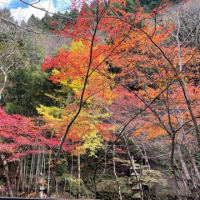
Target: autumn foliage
19,135
117,64
137,69
128,77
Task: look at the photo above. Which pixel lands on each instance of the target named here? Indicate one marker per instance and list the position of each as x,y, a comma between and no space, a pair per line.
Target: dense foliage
111,114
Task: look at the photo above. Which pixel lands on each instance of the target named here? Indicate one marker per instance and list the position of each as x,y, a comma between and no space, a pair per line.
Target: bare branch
45,10
17,26
4,81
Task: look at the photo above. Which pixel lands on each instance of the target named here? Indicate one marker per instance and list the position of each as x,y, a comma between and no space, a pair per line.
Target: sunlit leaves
150,72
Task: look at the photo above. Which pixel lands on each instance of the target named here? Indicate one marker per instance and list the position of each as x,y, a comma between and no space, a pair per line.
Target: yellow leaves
186,79
71,67
77,46
77,86
92,142
53,112
54,118
84,130
153,93
61,161
161,84
55,72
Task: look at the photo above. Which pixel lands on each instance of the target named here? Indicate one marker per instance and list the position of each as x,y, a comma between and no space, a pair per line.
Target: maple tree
150,65
69,75
17,134
175,109
19,137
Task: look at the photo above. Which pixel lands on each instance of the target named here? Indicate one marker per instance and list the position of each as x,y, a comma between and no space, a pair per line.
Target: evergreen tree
26,90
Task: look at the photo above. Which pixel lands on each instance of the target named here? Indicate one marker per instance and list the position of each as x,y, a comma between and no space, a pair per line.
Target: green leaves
26,90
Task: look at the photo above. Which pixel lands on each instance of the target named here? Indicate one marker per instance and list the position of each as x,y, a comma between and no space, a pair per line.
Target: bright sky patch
21,11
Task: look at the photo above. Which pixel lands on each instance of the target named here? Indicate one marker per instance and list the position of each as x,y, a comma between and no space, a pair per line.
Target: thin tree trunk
192,159
4,82
72,168
184,87
183,137
79,174
20,182
37,172
65,185
17,179
115,173
6,174
24,175
49,175
145,156
190,183
42,170
137,176
31,173
44,165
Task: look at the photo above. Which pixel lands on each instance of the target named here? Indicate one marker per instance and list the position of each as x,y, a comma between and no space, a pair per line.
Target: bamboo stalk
37,171
49,174
71,172
31,173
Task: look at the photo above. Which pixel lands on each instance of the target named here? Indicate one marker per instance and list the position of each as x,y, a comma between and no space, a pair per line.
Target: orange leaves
105,129
151,131
154,132
70,67
68,62
149,64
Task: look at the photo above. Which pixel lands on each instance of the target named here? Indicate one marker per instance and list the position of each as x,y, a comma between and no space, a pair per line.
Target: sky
21,11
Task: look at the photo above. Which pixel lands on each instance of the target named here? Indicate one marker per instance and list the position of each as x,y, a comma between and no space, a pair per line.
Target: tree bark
79,175
6,174
115,173
194,191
